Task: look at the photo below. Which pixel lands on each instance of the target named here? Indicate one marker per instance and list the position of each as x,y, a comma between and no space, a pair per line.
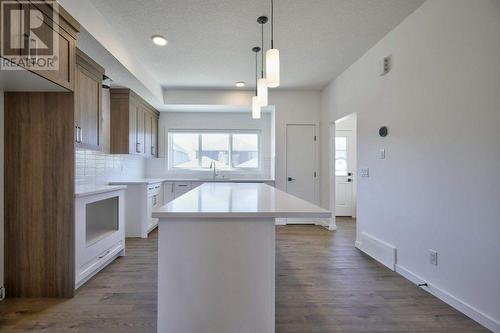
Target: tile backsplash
96,168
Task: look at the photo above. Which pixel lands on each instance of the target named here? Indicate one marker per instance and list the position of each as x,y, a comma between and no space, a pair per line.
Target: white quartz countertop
236,200
88,190
138,181
220,180
201,180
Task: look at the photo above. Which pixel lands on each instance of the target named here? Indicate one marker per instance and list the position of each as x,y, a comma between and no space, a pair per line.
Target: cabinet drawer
182,186
90,262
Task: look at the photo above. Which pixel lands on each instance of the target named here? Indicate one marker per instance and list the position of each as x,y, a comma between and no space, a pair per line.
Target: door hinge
2,293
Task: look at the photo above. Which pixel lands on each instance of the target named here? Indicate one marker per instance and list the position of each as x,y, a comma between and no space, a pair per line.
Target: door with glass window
344,180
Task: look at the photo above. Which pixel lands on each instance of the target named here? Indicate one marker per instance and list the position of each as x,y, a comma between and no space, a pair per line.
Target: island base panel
216,276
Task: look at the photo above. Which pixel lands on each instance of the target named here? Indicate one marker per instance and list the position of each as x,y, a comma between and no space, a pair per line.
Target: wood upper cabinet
88,102
57,31
134,124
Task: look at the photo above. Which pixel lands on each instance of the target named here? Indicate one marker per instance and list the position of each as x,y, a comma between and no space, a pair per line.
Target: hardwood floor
323,284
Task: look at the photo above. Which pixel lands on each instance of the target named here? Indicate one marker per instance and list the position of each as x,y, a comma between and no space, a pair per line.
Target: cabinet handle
153,151
78,134
105,254
172,187
29,47
81,135
138,147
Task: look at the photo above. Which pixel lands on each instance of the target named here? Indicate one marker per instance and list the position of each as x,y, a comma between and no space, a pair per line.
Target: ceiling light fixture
262,92
272,58
240,84
159,40
256,108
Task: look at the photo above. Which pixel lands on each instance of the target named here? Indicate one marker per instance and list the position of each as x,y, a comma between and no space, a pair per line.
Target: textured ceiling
210,41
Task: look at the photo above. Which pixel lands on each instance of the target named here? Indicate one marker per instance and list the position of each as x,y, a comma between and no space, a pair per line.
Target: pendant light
256,108
272,58
262,92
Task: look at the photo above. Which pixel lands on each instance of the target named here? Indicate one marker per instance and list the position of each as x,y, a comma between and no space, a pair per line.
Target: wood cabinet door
133,130
66,45
148,123
88,95
154,136
13,41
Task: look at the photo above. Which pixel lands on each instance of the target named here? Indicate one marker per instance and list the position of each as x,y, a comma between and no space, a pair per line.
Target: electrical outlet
386,65
433,257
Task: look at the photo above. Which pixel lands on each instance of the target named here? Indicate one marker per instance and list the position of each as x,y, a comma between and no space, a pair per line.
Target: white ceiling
210,41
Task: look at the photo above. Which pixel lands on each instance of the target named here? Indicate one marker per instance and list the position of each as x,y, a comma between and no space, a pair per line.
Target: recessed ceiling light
240,84
159,40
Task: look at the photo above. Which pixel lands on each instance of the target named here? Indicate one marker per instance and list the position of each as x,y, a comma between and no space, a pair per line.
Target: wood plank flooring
323,284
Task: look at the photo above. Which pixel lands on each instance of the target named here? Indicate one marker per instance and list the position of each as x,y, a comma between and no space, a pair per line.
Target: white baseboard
280,221
327,223
470,311
379,250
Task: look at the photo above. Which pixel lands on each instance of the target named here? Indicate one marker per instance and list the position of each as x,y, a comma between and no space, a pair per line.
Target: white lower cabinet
168,192
140,201
99,233
154,201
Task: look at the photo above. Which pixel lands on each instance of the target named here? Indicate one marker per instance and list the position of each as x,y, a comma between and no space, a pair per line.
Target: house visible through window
227,150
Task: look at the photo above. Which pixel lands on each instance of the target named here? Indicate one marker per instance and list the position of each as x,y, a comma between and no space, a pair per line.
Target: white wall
210,121
291,107
294,107
1,190
439,187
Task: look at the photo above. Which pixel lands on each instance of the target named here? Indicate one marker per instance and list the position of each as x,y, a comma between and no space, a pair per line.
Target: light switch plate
364,172
382,154
433,257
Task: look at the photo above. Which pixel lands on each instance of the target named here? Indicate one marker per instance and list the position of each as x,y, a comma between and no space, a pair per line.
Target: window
227,150
341,156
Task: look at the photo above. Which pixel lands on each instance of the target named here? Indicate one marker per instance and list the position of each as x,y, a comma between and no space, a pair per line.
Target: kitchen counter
209,180
87,190
146,181
220,180
229,200
217,245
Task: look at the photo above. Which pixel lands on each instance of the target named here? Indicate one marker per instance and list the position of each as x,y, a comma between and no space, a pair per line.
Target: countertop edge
242,215
99,190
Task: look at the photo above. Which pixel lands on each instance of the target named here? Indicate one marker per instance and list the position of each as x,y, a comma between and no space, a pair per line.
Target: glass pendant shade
256,111
273,68
262,94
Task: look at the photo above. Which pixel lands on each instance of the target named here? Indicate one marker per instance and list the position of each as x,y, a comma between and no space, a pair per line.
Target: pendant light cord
272,24
262,55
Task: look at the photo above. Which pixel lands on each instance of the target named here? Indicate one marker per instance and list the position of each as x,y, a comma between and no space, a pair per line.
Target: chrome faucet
212,166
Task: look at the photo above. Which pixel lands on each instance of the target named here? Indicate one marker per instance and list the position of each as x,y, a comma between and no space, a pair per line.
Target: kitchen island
216,257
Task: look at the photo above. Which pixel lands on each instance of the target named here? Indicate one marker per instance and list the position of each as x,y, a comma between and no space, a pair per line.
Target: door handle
290,179
349,180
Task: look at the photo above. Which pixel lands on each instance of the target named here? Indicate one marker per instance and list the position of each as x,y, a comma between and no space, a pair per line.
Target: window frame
199,132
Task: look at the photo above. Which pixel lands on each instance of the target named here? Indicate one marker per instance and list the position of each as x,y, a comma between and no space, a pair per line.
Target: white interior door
301,161
344,173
